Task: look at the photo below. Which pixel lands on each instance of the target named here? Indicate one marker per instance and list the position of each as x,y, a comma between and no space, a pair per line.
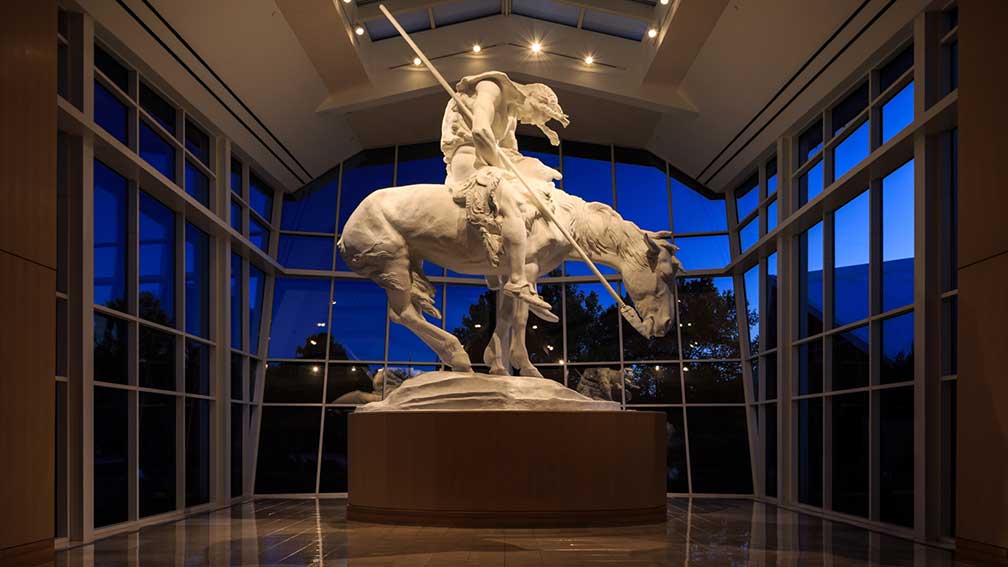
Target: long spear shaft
628,312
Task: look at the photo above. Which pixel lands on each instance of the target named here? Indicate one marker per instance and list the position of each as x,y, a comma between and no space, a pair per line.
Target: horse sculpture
392,232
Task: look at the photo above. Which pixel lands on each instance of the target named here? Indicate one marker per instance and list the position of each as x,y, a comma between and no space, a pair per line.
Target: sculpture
482,221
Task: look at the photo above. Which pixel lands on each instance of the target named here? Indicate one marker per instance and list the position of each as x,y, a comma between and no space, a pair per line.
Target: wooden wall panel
28,133
27,367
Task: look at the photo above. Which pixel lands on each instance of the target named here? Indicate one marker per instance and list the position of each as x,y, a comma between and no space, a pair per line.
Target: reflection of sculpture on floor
481,221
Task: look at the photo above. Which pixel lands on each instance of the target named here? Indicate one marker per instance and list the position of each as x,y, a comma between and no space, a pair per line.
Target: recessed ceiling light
359,30
536,47
663,2
589,59
348,1
416,61
477,48
652,32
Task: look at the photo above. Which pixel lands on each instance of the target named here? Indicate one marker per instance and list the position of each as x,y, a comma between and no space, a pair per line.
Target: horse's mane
601,230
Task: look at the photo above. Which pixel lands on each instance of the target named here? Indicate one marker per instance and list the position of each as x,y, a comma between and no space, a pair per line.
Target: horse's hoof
531,372
499,372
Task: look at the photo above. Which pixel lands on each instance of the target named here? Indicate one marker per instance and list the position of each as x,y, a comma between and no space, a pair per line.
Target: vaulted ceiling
718,82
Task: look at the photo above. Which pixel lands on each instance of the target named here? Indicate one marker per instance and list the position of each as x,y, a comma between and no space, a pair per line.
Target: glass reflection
592,325
897,349
898,237
300,318
851,251
713,382
719,450
653,384
597,382
708,318
294,382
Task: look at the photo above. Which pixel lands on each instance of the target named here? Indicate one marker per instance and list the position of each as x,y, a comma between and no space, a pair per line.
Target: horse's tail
421,290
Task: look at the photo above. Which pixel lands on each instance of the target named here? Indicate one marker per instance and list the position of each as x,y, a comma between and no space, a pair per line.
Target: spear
627,311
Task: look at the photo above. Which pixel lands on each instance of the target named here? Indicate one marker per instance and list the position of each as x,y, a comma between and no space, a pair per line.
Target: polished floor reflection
316,532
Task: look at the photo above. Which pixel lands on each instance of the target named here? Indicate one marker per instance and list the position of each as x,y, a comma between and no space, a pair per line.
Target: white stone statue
482,221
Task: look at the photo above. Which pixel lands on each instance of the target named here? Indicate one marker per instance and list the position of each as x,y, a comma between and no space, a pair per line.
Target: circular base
507,468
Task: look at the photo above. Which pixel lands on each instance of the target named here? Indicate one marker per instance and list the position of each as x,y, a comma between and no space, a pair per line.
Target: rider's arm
483,109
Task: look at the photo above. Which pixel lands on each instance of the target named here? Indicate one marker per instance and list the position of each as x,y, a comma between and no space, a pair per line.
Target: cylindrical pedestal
507,468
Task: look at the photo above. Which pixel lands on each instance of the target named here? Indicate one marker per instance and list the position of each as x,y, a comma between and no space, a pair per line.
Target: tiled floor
310,532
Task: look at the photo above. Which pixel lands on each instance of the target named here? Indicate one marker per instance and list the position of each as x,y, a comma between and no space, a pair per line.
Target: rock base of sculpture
506,468
470,391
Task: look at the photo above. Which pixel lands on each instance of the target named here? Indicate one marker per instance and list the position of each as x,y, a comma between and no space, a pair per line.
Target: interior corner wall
27,279
982,466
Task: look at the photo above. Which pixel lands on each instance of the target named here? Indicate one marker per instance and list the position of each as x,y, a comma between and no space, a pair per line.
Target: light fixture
348,1
657,367
536,47
560,361
477,325
589,59
314,369
353,369
320,324
477,48
549,347
359,30
313,342
685,368
534,327
416,61
663,2
652,33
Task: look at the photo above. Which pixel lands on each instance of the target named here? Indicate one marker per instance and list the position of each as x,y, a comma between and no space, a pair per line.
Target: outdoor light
534,327
652,32
416,61
663,2
536,47
312,341
549,347
314,369
477,48
320,324
560,361
477,325
359,30
657,367
348,1
589,59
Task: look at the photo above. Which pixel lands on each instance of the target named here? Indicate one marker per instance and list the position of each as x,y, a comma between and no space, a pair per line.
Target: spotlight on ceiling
589,59
536,47
652,33
359,30
416,61
477,48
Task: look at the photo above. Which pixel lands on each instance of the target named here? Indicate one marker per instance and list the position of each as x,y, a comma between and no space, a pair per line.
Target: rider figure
498,105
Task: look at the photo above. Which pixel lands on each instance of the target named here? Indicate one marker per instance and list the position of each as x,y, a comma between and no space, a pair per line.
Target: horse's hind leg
445,344
519,351
497,353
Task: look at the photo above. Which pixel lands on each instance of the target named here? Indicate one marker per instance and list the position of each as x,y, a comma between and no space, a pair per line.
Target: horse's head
652,288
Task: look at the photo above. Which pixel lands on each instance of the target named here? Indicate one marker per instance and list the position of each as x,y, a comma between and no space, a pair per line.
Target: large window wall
332,346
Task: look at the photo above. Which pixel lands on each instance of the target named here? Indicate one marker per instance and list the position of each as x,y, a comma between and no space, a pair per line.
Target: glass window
810,184
288,450
719,450
236,176
653,384
260,197
111,68
588,172
157,359
333,476
851,251
675,451
300,316
549,10
237,442
237,376
771,215
849,109
197,184
259,234
642,189
305,252
312,208
110,113
810,142
592,325
541,337
156,151
470,315
197,367
950,336
746,198
197,282
851,151
897,349
236,217
363,174
111,456
110,249
753,315
236,301
770,314
420,163
358,321
898,237
810,457
110,343
898,113
157,261
810,282
713,382
156,455
703,252
197,447
294,382
638,347
896,456
197,142
894,69
707,318
257,281
597,382
771,175
850,358
693,211
810,367
770,449
749,234
160,109
850,454
359,383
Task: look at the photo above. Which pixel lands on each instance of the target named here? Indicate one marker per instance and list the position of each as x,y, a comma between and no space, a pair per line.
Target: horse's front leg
498,352
519,351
